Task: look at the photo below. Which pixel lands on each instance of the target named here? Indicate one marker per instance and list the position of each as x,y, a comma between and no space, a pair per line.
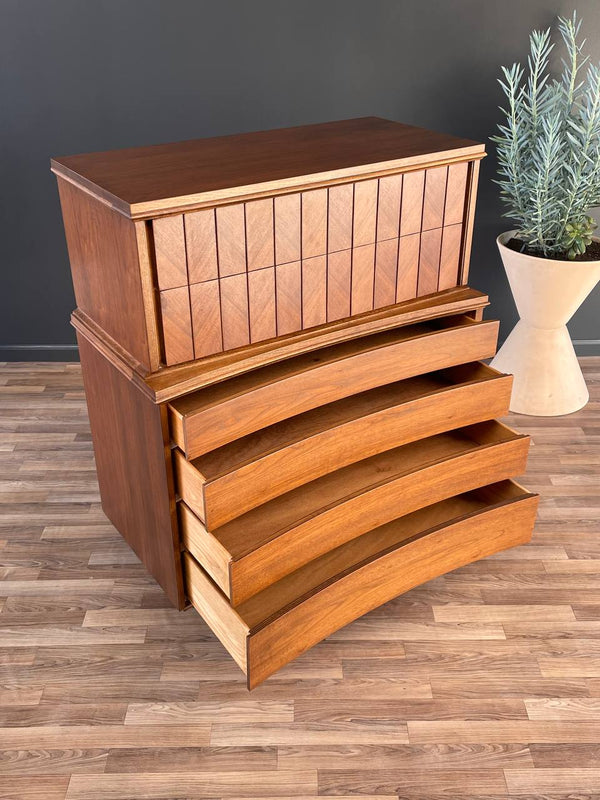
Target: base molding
587,347
39,352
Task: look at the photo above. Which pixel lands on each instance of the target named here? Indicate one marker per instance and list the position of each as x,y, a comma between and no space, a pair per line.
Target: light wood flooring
484,683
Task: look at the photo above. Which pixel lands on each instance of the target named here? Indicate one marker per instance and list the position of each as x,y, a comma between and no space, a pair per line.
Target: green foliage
579,236
549,146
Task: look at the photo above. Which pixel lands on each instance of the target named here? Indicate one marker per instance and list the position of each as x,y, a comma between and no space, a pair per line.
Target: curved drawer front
292,615
238,477
247,272
215,416
260,547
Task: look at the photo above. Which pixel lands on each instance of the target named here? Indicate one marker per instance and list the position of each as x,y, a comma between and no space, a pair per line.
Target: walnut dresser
283,367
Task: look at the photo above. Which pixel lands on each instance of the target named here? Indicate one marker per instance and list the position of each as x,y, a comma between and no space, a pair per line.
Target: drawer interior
306,580
259,444
262,545
265,522
270,462
213,395
289,616
214,416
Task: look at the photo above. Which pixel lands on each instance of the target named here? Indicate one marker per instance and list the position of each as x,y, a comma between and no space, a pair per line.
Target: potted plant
549,176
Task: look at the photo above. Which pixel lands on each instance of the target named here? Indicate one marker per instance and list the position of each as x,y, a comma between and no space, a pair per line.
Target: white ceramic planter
539,352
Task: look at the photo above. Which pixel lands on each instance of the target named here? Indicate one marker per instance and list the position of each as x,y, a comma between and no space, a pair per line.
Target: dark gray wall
79,76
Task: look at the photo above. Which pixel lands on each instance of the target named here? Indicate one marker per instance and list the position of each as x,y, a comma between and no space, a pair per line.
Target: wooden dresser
282,362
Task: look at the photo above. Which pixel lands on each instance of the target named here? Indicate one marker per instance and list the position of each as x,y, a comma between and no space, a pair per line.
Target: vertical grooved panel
234,311
339,236
429,261
289,298
388,207
231,240
363,274
148,286
169,247
386,264
261,297
177,325
206,318
273,266
314,291
338,284
314,223
287,228
456,193
408,267
413,185
435,196
201,244
259,234
450,258
472,180
365,212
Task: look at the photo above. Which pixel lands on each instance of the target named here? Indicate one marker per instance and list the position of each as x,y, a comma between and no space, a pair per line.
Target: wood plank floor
484,683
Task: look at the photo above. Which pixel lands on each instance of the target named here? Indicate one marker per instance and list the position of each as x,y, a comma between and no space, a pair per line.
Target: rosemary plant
549,147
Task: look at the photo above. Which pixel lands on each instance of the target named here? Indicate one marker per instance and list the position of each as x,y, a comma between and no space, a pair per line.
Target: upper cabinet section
239,274
184,251
145,182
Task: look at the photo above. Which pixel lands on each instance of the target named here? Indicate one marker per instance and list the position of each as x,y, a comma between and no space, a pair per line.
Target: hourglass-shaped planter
539,352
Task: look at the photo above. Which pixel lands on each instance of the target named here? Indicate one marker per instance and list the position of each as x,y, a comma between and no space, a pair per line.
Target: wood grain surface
174,381
273,539
212,417
132,451
201,245
176,315
483,683
314,223
276,459
260,241
104,253
360,576
347,237
145,181
205,306
290,616
170,252
339,220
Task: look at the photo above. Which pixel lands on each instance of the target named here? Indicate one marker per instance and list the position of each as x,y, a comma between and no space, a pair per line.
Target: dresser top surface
149,181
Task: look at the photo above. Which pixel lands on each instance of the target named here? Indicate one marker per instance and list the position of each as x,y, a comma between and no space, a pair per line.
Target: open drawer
260,547
240,476
212,417
290,616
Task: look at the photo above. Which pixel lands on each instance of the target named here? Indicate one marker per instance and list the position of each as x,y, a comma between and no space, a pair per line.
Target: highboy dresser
282,362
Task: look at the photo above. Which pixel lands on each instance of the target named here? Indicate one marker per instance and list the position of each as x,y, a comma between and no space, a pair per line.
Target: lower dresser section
312,490
288,498
291,615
